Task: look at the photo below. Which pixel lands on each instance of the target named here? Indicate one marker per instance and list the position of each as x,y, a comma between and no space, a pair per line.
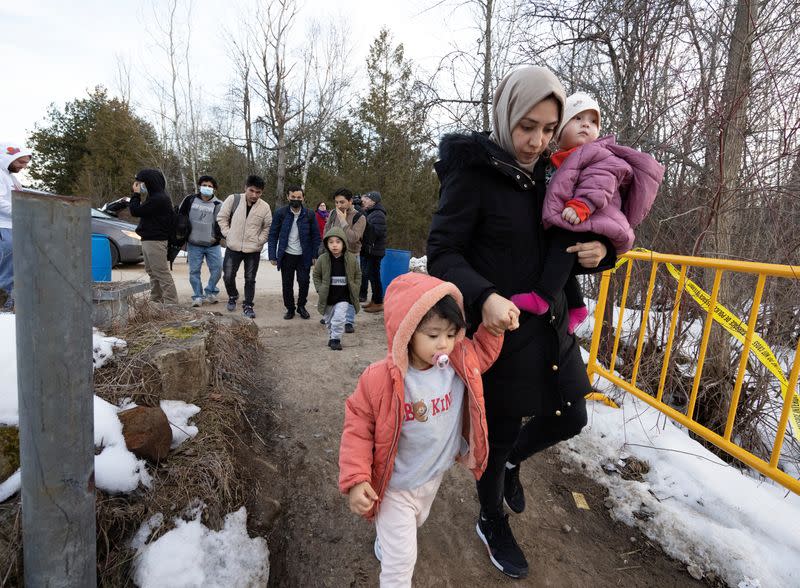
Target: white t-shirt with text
429,445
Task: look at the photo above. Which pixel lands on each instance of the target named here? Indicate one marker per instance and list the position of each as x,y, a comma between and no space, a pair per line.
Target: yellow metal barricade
677,266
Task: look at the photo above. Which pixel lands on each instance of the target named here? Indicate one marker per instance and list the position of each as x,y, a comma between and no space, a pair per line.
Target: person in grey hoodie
13,159
197,219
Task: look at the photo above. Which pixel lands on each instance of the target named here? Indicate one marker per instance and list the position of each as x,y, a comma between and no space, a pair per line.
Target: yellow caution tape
738,328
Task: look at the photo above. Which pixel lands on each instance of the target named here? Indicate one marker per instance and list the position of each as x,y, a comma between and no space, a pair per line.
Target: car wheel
114,254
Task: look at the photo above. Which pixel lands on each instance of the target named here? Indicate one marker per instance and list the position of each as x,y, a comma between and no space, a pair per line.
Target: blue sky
54,50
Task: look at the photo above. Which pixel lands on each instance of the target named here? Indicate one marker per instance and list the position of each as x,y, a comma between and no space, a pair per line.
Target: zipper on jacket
474,400
514,167
392,452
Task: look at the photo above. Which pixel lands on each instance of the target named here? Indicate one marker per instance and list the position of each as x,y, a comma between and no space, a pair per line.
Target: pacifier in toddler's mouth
441,360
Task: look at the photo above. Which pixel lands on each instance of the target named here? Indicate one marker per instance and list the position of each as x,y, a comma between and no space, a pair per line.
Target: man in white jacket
13,159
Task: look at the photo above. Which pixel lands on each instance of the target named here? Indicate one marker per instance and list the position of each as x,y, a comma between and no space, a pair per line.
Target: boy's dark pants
291,265
230,267
510,441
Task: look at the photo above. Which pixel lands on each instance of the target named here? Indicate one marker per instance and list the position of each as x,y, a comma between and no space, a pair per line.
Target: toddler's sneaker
335,344
211,299
248,312
349,328
231,304
196,302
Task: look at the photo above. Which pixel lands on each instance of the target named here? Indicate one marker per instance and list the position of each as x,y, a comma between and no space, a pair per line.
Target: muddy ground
316,541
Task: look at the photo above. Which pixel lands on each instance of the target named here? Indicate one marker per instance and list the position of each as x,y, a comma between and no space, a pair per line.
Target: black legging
509,441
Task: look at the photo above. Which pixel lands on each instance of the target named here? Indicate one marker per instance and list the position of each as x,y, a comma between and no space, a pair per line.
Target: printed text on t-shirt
438,405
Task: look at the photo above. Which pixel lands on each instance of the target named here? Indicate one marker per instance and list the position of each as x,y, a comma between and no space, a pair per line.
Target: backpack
176,242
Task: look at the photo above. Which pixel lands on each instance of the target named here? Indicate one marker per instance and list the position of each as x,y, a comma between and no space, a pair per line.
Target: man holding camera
353,223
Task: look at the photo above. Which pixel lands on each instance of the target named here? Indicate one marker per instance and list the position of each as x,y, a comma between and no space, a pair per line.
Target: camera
357,200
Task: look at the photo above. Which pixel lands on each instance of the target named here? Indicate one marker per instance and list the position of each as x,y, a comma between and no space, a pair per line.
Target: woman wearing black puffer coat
487,238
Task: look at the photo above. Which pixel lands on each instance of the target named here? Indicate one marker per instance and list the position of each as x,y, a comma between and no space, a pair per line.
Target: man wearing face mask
151,204
293,245
197,220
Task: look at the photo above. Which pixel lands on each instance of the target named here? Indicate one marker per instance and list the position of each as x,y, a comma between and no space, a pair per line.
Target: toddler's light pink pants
399,515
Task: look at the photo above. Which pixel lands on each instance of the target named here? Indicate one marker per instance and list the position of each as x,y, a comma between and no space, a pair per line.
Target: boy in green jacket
337,278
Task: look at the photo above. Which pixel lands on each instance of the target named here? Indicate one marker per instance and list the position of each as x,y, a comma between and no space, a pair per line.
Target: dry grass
204,468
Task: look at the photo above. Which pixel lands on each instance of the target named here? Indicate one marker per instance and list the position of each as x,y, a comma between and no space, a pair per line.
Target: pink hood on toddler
617,183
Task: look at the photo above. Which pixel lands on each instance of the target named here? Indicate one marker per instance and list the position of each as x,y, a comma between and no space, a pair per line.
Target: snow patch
701,510
419,264
116,468
11,486
191,555
103,348
178,413
9,410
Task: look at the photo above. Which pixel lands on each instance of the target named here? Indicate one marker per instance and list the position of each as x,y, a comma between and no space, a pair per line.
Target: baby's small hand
361,498
569,215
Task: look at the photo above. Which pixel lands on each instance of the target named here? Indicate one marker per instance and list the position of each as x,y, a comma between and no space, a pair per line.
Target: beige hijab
516,94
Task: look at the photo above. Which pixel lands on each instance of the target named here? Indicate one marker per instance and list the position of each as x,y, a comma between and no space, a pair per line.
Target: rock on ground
147,432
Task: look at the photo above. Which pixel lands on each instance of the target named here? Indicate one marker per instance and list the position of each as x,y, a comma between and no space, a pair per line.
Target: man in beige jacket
244,220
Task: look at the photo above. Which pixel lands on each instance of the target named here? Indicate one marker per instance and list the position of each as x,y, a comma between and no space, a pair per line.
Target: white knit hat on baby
575,104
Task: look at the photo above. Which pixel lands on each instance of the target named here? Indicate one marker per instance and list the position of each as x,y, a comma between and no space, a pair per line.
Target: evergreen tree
397,160
94,147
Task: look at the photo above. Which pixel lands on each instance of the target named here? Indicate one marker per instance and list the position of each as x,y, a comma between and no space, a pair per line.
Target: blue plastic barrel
394,263
101,258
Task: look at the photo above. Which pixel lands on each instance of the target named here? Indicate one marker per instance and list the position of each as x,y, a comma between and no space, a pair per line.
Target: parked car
126,245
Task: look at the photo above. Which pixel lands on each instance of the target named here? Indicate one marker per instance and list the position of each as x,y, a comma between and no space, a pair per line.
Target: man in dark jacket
151,204
293,245
372,250
197,223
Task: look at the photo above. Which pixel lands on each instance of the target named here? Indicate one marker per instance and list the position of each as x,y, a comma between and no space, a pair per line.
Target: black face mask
295,203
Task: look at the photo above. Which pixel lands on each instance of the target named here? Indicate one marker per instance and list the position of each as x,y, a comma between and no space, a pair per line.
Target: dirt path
316,541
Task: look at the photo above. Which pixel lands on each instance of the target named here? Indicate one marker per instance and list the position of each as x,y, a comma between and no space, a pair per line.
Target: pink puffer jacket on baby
617,183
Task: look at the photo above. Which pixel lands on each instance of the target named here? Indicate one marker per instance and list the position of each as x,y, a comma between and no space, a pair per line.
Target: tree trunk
735,96
280,172
487,65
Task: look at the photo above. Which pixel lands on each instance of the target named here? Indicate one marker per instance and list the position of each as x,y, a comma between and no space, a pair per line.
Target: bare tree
327,58
273,77
459,92
179,108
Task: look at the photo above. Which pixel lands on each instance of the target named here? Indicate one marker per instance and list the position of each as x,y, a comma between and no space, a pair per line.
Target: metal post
52,293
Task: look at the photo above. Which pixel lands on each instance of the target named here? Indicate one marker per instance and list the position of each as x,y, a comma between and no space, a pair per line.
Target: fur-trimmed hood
458,151
408,298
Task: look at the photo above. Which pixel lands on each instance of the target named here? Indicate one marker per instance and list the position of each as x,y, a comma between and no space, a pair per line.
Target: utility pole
52,293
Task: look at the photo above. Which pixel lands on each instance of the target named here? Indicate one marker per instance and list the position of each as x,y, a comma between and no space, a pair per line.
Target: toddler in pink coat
600,188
